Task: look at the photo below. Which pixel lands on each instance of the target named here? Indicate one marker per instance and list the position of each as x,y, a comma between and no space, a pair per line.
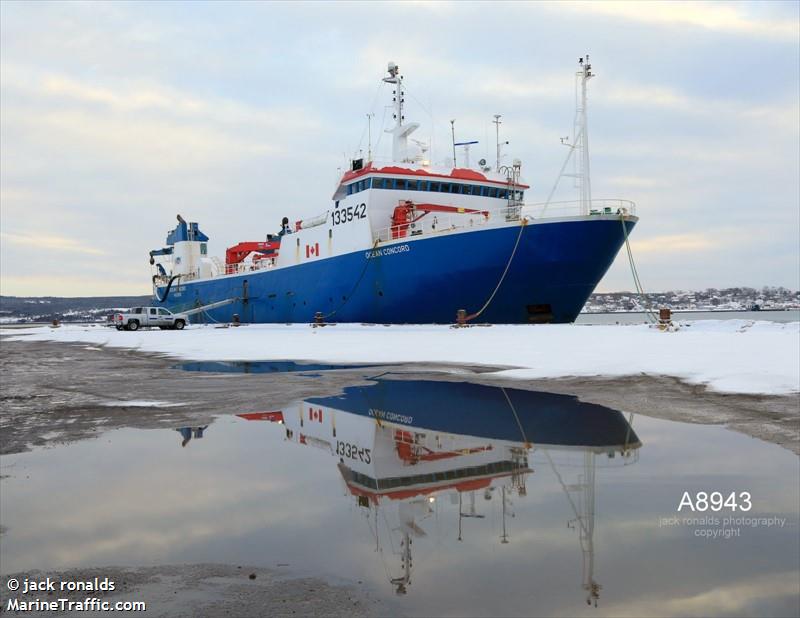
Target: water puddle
442,497
261,366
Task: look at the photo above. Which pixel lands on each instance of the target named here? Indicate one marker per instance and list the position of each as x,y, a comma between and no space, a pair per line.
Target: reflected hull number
351,451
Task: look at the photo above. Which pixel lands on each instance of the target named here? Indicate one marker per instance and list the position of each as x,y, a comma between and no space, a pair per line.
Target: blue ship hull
509,414
556,267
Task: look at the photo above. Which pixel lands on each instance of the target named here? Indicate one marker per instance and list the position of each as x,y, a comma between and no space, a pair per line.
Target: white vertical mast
581,135
400,131
580,142
369,137
497,122
586,520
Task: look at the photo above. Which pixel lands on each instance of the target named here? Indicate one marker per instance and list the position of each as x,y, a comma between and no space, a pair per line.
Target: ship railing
437,224
574,208
513,211
246,267
220,269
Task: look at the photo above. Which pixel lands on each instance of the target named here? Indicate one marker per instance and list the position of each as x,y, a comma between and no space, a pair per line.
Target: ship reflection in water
402,446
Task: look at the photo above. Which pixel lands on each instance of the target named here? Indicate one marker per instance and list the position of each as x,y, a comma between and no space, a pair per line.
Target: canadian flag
315,415
312,250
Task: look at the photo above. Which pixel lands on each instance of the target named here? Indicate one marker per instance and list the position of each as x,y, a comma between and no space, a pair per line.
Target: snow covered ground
736,356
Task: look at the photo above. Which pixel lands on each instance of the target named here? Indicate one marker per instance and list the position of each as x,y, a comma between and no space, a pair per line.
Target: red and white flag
312,250
315,415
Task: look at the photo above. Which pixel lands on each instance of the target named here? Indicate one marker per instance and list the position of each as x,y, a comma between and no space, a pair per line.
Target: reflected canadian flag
312,250
315,415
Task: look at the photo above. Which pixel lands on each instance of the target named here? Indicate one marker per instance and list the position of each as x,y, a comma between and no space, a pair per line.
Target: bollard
235,320
319,319
664,319
55,324
461,317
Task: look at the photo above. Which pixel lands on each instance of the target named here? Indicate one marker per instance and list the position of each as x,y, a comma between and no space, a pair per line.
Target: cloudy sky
114,117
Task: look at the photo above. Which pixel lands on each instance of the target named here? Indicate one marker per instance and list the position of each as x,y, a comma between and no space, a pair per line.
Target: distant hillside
711,299
15,309
20,309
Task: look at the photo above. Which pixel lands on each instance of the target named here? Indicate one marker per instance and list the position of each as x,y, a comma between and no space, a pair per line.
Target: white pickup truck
151,317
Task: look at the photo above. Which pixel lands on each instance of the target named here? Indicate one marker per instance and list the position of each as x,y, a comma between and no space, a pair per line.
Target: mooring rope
522,224
358,282
649,312
516,417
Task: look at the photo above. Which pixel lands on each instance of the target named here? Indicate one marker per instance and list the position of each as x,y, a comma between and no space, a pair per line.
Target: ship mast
580,142
401,583
400,131
584,518
497,122
581,135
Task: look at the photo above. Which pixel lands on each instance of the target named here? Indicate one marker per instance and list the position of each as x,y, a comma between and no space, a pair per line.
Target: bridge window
435,187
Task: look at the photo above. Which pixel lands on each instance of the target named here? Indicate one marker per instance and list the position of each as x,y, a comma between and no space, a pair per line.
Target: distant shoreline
691,311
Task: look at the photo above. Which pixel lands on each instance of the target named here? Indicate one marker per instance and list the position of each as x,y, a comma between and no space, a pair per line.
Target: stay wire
371,108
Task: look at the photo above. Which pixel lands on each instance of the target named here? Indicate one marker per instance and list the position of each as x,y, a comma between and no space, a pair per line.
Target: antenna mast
497,124
453,131
369,137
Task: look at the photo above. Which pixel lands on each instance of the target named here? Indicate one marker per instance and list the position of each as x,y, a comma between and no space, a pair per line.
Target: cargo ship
407,242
